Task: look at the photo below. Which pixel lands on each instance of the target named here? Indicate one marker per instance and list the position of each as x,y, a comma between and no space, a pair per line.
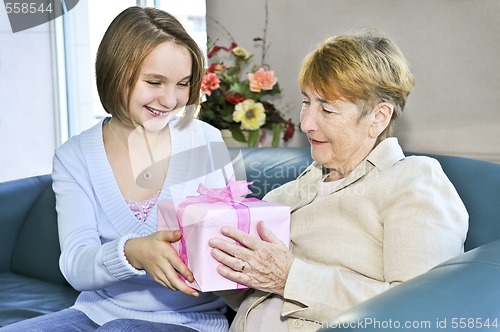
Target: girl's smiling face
162,89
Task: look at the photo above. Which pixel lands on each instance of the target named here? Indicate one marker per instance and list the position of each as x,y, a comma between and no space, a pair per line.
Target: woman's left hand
261,264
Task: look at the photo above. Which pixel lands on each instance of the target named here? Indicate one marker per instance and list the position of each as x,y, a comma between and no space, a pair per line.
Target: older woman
364,217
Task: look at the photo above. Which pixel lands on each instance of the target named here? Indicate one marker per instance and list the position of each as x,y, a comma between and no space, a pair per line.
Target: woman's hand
155,254
262,263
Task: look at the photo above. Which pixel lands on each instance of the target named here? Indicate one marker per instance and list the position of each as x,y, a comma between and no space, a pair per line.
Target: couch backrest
478,184
16,199
28,209
37,250
269,168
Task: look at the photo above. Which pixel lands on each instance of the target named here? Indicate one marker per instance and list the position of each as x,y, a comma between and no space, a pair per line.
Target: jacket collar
384,155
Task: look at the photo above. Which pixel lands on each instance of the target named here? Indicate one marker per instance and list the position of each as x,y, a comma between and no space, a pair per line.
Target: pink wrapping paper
203,221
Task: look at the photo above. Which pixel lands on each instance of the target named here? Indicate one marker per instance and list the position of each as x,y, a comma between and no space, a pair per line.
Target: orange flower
209,83
262,80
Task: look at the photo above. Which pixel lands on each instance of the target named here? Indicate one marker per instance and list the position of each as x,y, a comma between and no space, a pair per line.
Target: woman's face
339,138
162,89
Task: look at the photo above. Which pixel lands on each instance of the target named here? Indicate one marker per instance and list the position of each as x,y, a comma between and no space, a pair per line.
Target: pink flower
262,80
209,83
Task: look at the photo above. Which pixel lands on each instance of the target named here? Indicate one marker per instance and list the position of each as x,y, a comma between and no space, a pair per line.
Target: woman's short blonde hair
129,39
365,68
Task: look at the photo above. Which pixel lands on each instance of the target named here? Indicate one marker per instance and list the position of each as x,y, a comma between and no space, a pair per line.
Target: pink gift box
203,221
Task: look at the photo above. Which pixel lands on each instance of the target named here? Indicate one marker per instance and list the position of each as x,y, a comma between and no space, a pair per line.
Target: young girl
107,181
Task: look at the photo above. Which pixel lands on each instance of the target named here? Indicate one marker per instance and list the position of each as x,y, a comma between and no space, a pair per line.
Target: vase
230,141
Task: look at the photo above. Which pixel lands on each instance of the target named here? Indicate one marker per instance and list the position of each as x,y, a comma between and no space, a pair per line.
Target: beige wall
452,45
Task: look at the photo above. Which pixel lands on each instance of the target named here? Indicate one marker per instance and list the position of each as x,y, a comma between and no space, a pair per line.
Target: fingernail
195,294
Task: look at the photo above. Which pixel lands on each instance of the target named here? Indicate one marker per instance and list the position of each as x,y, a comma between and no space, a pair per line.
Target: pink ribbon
233,194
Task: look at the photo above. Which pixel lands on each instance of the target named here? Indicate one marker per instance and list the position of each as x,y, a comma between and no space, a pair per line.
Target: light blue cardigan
95,222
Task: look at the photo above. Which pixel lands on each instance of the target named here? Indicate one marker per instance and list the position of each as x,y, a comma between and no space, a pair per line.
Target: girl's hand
262,263
155,254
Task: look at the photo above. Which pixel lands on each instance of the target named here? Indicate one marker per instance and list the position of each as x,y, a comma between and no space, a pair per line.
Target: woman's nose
307,120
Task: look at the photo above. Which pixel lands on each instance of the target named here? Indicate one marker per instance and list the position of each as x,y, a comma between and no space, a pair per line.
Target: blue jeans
71,320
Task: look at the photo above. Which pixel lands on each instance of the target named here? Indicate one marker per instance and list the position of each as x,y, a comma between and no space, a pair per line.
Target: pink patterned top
141,210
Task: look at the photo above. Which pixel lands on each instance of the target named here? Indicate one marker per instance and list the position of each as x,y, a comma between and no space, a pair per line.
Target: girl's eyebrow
156,76
163,77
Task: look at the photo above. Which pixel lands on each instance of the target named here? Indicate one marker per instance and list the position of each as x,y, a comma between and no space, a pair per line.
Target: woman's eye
184,84
305,102
155,83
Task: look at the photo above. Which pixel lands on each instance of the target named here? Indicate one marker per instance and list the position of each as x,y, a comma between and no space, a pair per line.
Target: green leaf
238,87
253,138
237,133
276,134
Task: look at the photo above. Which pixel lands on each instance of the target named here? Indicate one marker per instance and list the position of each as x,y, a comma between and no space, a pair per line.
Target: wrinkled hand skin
154,254
267,259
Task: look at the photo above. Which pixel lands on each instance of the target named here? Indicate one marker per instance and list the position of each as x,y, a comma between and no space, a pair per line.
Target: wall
452,45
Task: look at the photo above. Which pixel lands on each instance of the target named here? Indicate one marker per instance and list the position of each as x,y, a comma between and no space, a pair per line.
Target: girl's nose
168,98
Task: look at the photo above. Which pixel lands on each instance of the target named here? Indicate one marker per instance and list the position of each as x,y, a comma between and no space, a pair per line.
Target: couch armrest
16,199
463,290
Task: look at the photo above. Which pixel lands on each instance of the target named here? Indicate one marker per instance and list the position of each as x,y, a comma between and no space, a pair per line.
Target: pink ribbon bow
233,192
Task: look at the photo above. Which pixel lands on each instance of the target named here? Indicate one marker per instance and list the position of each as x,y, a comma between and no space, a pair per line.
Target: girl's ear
382,115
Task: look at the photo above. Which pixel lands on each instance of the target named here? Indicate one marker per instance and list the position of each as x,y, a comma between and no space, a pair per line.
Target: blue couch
464,287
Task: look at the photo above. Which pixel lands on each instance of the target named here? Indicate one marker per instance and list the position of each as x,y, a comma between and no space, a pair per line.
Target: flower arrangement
242,101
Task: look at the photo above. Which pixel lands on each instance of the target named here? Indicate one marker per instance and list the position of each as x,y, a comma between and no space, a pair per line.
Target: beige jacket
391,219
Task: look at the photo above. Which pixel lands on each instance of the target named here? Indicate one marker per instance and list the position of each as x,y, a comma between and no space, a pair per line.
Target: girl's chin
156,124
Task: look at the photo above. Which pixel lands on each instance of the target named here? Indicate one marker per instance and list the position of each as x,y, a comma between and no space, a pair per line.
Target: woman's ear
382,115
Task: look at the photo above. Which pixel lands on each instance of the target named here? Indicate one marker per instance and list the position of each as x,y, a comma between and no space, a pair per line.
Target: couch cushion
23,297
